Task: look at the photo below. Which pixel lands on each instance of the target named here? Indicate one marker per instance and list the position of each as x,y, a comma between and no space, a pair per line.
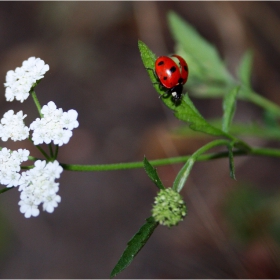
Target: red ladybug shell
169,73
184,68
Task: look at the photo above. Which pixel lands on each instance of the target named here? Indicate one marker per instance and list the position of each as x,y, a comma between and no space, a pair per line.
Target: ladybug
171,76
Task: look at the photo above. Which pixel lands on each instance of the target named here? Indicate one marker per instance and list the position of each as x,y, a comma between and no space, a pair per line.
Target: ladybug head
176,93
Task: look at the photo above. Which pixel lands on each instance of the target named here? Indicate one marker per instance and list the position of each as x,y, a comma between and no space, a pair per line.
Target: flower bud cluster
169,208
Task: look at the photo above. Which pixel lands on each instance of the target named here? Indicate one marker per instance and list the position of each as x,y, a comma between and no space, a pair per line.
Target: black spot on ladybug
160,63
172,69
165,78
186,68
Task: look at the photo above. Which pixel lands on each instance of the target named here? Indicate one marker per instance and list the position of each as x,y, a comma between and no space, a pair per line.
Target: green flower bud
169,208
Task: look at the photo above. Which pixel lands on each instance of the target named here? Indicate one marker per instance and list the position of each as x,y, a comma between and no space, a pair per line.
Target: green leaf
148,59
183,174
201,56
245,68
231,161
152,173
135,245
229,106
186,111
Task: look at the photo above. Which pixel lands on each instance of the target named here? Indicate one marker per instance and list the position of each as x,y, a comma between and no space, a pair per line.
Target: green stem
36,101
265,152
40,149
5,189
160,162
56,151
43,152
168,161
51,150
27,167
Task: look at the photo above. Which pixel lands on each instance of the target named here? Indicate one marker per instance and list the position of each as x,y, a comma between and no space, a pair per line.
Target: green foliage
202,52
183,174
231,161
208,78
144,233
229,106
245,69
135,245
208,75
186,111
152,173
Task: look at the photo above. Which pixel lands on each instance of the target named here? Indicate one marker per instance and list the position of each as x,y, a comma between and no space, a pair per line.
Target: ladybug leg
166,94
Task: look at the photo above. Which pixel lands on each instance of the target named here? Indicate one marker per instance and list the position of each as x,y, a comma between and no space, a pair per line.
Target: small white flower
55,125
51,202
53,170
20,81
12,126
10,166
38,186
49,109
21,154
28,208
62,137
69,119
13,179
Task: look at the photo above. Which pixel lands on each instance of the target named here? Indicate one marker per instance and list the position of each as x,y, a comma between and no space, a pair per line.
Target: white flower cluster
38,186
12,126
55,125
19,82
10,162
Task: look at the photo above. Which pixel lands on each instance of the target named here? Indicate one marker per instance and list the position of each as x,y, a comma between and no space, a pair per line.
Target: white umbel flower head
12,126
20,81
10,162
38,186
55,125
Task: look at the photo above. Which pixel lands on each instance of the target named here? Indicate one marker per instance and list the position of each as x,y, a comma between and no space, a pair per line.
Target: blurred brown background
95,68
